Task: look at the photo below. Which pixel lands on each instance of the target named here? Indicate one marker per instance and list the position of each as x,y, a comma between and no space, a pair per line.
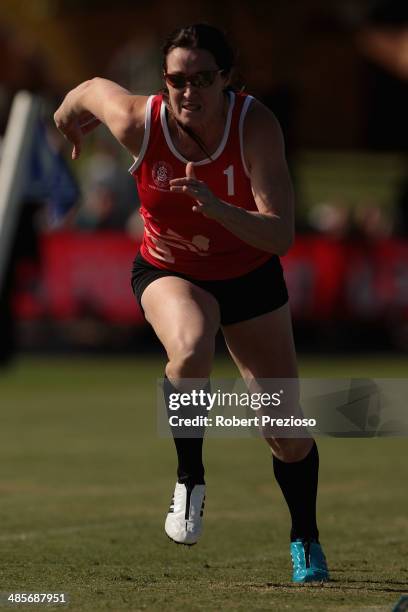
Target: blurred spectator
372,222
109,192
333,219
97,211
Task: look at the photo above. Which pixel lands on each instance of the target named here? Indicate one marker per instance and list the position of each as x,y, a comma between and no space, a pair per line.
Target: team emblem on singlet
162,174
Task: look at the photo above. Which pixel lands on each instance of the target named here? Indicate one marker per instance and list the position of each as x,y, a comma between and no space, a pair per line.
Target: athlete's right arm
108,102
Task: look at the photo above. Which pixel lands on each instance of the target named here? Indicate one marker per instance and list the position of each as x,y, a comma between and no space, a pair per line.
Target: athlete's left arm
271,227
264,152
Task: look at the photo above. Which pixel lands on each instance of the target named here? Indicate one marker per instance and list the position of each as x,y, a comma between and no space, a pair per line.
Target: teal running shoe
309,562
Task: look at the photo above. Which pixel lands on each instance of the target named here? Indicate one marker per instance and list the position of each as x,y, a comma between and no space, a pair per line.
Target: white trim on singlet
244,110
148,120
221,146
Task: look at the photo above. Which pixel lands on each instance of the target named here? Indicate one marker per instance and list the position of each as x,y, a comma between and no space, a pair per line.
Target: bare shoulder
120,110
130,108
137,110
262,134
135,124
260,117
128,120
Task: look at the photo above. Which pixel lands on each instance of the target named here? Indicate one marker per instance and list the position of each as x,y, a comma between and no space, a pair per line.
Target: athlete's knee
191,357
290,450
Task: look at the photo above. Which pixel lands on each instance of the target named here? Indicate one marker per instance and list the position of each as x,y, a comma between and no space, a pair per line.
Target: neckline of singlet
220,147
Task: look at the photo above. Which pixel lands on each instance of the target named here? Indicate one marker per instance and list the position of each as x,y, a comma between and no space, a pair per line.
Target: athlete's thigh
180,312
263,347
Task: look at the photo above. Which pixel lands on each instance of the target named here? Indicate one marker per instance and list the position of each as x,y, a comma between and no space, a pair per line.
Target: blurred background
334,72
84,478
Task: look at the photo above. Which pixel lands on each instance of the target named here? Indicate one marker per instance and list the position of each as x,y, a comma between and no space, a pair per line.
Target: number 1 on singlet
230,176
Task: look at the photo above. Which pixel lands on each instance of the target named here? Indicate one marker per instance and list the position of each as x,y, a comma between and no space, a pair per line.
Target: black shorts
244,297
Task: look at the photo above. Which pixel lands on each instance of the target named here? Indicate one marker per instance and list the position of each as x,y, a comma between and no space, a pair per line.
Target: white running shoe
184,522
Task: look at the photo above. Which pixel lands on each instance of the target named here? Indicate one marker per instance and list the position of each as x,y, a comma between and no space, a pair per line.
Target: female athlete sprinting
217,204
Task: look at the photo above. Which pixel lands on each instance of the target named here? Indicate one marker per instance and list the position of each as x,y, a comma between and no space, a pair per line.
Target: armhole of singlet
244,111
148,120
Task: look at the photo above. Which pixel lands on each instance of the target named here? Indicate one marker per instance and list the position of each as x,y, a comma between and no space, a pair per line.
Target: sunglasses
201,79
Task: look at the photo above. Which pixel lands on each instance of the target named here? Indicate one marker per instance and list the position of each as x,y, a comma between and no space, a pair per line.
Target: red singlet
175,238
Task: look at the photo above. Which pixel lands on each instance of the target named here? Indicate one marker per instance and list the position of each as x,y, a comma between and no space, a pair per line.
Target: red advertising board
89,274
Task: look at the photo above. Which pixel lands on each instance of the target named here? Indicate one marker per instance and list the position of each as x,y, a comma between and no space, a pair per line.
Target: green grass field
85,484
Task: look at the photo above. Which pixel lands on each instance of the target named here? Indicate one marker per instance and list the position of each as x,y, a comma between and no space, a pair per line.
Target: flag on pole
49,177
31,168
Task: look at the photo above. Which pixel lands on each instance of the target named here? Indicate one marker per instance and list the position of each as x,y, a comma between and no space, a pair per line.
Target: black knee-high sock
190,469
298,482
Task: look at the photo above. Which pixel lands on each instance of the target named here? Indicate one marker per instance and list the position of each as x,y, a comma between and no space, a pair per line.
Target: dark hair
202,36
